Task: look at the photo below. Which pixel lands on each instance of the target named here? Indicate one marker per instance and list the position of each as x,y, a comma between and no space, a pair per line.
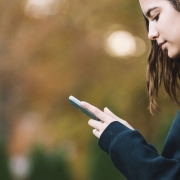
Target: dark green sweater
137,159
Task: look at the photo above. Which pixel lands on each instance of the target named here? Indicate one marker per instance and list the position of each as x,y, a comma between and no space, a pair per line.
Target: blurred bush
5,173
100,166
48,166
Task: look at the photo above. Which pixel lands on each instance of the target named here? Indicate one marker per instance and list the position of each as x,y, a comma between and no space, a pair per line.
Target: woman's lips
162,45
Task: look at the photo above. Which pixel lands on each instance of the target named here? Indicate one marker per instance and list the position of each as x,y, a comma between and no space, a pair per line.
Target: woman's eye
156,17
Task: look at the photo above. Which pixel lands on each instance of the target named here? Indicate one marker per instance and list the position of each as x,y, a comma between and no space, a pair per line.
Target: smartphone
75,102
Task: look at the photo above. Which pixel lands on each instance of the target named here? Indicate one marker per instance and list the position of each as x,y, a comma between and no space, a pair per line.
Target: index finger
97,112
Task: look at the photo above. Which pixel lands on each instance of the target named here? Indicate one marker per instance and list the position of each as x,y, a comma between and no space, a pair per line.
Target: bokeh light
140,47
121,43
42,8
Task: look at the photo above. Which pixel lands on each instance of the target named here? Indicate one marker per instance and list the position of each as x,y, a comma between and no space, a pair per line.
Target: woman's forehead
149,4
144,3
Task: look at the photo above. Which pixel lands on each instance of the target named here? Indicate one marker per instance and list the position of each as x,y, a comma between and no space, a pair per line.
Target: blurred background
51,49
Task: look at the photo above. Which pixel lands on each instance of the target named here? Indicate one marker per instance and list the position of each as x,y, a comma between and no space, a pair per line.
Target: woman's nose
153,32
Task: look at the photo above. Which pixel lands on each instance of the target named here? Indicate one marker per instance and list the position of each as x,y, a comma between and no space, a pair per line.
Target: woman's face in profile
164,25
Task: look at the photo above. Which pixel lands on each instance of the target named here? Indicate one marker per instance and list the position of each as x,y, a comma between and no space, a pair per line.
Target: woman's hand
106,118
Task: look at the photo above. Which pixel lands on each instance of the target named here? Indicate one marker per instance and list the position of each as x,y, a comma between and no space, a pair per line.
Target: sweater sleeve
134,157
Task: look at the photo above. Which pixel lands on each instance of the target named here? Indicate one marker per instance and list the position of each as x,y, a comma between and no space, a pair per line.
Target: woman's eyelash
156,18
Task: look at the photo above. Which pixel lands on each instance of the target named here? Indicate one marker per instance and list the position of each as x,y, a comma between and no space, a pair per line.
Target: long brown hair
162,69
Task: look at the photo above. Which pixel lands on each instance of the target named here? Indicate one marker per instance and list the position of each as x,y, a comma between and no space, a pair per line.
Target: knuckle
86,105
125,123
96,111
122,121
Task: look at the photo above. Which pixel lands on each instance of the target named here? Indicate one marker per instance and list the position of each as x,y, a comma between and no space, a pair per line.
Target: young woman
128,150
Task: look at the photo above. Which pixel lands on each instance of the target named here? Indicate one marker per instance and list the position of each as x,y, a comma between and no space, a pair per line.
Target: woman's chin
174,55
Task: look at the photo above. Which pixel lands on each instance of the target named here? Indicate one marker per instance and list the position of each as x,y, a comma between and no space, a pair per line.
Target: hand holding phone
75,102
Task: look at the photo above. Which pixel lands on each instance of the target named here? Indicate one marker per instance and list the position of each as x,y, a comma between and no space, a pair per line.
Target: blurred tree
100,166
5,172
44,167
43,61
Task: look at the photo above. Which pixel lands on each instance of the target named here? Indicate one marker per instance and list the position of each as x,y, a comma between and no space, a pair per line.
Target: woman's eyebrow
148,13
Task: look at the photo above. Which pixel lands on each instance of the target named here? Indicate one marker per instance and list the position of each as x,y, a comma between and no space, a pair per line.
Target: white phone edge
72,98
